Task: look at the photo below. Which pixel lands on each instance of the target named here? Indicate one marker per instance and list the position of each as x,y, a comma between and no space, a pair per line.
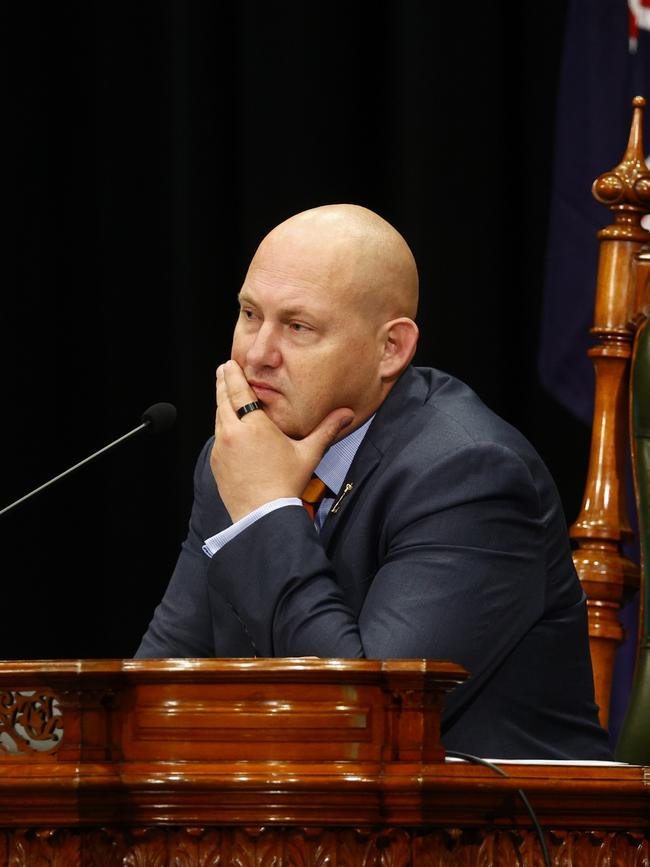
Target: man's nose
264,350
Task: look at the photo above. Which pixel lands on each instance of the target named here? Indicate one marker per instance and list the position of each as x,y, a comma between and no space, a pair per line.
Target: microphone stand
158,417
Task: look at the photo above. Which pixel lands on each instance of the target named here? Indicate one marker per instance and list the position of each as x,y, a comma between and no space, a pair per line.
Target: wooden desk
194,763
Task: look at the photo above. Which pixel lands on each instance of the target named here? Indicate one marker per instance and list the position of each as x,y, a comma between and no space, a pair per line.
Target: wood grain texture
286,762
603,524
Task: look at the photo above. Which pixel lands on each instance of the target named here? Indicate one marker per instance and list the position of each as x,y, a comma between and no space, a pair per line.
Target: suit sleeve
460,568
182,625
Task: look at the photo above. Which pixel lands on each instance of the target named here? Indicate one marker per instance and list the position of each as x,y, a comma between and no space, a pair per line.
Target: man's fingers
224,408
233,391
237,388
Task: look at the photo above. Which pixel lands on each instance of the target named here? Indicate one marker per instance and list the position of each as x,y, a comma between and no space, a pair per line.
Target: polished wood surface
279,762
208,740
603,524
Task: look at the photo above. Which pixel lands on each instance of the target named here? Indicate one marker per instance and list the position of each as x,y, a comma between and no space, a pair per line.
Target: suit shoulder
441,419
456,415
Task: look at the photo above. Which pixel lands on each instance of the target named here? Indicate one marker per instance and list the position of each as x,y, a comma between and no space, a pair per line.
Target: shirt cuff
216,543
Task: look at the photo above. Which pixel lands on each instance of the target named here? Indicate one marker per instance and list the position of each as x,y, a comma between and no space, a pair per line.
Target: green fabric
634,742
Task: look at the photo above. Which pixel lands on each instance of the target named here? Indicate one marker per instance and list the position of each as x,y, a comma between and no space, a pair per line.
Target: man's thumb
329,429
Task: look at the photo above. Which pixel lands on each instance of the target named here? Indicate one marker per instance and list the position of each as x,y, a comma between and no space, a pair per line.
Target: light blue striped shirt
332,469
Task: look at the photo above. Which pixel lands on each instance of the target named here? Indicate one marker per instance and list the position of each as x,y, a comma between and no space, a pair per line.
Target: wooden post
603,523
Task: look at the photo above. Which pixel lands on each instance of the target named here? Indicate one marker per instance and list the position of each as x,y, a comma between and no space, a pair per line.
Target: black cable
475,760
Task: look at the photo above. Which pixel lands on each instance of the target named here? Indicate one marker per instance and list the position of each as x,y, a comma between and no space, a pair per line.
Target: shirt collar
337,460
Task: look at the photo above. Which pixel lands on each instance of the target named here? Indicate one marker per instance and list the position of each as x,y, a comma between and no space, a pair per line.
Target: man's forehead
293,285
287,298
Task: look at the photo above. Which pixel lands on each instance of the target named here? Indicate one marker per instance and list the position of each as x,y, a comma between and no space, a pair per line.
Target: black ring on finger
248,407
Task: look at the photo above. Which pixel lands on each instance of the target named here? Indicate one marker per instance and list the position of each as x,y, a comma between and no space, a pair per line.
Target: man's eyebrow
283,312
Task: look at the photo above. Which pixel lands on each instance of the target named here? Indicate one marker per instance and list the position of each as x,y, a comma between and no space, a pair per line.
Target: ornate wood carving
317,847
287,763
603,523
30,721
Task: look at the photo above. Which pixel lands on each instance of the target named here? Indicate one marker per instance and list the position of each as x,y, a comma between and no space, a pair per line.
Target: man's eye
247,314
298,327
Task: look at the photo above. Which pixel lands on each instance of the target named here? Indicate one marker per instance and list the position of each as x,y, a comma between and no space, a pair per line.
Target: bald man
440,534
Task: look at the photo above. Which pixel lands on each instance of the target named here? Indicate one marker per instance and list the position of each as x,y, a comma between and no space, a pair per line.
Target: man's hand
252,461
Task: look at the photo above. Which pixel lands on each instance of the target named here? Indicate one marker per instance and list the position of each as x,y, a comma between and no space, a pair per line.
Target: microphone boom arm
75,467
158,418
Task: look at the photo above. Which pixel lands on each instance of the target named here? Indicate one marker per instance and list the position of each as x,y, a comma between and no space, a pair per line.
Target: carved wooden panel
30,721
317,847
231,745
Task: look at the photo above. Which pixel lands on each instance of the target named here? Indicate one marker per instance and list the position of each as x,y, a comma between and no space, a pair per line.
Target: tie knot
314,491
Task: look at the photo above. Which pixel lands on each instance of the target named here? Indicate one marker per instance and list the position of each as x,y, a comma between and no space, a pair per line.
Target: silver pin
346,490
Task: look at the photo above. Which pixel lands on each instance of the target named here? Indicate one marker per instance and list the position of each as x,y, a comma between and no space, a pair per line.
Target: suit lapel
408,394
362,466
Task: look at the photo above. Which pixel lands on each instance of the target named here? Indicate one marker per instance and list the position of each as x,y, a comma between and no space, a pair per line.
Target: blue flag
606,63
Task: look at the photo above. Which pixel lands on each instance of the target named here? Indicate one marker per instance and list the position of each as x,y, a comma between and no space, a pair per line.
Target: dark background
155,143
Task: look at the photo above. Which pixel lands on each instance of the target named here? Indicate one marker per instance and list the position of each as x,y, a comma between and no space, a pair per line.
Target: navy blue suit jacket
452,544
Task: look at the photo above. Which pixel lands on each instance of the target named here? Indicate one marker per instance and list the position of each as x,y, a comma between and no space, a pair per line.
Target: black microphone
157,419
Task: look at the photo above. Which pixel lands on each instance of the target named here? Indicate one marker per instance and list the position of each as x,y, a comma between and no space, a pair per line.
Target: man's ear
400,339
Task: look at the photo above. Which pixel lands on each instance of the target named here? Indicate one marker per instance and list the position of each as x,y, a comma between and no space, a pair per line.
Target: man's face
304,342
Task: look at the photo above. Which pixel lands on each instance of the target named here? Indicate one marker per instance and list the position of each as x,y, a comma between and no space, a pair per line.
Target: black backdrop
155,143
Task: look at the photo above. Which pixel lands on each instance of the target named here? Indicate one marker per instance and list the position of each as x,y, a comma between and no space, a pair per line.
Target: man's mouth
263,390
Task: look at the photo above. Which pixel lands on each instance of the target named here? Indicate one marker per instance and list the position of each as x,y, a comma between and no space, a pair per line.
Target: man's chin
288,426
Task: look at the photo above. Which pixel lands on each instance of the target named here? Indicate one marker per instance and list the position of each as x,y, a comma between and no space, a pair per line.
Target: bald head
326,317
353,249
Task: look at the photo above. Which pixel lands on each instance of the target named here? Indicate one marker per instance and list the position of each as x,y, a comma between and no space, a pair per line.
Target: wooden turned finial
627,187
602,526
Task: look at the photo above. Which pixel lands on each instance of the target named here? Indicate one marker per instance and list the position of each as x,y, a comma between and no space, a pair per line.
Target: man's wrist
215,543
